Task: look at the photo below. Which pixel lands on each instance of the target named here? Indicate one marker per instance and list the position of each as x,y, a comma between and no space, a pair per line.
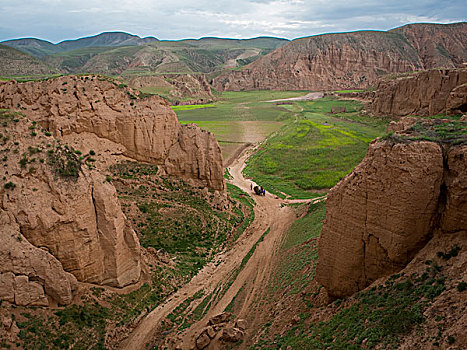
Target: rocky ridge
147,128
423,93
351,60
383,213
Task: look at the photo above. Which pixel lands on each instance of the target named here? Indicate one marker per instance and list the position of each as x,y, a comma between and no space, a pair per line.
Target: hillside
351,60
122,53
16,63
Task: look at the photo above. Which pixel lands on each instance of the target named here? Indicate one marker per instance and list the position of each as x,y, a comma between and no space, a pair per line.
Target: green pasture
314,151
243,106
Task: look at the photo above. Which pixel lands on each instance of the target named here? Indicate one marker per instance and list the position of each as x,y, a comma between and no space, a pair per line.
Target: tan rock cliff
424,93
380,215
147,128
53,223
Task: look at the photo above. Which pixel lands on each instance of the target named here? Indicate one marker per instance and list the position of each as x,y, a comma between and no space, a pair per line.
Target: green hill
15,63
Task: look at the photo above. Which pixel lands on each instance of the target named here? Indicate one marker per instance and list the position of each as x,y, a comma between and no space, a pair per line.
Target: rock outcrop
58,225
351,60
147,128
424,93
380,215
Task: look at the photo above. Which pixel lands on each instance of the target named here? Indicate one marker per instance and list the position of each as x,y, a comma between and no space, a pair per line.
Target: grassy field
310,149
239,118
243,106
314,151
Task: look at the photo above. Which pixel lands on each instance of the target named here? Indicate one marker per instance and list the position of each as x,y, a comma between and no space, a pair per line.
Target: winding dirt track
253,277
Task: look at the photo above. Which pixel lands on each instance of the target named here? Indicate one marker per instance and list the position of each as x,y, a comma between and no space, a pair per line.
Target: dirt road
269,214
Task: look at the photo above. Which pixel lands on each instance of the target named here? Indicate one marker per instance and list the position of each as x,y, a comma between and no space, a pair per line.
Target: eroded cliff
403,193
147,128
423,93
61,221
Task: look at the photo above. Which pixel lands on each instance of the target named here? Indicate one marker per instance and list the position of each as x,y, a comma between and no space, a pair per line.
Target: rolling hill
16,63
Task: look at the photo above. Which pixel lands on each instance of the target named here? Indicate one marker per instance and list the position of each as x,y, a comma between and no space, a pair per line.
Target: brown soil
269,213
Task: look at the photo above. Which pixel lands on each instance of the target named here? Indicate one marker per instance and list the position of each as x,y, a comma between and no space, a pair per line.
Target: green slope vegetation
16,63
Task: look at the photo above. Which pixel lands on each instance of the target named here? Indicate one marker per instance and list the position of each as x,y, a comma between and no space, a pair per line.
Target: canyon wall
351,60
147,128
381,214
58,225
424,93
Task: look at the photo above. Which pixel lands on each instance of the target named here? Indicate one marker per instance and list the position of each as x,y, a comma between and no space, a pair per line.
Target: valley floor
241,267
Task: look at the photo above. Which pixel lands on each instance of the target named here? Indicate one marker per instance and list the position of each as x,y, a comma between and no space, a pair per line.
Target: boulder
221,318
231,335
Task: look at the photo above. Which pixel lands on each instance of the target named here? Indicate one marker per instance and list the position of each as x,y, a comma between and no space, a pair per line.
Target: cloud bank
57,20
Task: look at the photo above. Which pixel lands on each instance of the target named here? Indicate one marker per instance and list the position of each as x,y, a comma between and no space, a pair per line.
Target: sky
57,20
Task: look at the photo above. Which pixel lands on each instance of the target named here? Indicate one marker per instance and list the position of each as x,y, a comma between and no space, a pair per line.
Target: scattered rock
7,322
203,340
231,335
241,324
221,318
211,332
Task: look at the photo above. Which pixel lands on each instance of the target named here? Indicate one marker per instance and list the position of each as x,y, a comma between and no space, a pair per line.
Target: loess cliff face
147,128
351,60
425,93
380,215
58,225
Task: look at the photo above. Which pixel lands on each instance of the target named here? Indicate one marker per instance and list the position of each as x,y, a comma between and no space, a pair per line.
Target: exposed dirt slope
226,271
147,128
351,60
183,88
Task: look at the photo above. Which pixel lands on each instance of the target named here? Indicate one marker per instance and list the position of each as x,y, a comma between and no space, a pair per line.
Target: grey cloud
58,20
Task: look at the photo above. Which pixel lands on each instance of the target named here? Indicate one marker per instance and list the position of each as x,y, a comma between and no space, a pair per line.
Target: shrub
462,286
9,185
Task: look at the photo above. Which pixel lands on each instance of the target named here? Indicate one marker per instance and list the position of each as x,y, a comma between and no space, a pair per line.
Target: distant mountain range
119,53
328,61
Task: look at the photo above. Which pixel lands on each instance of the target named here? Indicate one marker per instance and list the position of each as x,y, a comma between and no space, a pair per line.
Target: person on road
251,186
264,192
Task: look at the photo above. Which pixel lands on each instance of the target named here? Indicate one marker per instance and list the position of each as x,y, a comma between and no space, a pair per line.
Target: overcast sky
57,20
